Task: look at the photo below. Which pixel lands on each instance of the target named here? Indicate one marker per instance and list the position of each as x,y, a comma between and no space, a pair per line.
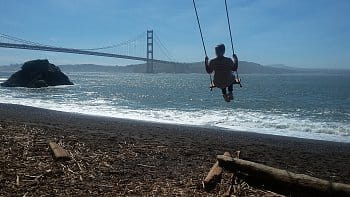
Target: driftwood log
282,181
214,175
58,152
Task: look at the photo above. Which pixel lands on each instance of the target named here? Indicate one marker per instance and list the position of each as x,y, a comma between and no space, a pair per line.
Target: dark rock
37,74
38,84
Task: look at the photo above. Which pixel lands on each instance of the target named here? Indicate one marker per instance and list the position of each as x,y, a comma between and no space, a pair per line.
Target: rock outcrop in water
37,74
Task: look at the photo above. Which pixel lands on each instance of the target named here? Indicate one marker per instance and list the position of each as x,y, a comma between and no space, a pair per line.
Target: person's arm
208,66
235,62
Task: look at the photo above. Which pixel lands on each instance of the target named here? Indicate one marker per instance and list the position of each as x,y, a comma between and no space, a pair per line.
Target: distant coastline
245,67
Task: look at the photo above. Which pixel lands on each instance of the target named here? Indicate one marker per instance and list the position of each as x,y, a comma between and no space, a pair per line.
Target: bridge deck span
75,51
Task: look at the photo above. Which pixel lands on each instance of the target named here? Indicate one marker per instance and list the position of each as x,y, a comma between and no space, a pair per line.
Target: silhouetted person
223,69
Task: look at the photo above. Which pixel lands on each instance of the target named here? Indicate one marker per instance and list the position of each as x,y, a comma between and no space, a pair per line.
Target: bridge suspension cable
22,41
164,49
19,40
140,36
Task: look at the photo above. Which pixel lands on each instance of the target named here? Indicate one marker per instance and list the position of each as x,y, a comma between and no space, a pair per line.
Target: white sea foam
239,119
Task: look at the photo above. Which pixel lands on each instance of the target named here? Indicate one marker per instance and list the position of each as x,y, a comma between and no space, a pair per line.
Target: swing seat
237,81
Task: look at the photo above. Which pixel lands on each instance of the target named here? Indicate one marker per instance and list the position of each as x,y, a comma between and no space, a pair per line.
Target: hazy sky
302,33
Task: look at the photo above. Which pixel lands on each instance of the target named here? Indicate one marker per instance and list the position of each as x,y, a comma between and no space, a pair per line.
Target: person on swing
223,67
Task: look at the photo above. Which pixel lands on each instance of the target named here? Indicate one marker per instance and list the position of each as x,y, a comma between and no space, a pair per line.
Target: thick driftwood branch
58,152
214,175
282,181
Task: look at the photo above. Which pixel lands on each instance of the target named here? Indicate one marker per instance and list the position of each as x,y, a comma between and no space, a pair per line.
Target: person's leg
230,88
224,91
230,92
225,95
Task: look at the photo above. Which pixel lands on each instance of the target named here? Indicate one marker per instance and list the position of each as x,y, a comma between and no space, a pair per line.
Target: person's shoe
230,96
226,97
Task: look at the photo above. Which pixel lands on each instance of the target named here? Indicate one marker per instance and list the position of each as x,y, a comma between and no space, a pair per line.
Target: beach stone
37,74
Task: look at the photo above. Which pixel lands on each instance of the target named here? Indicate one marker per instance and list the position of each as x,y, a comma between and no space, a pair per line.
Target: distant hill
198,67
69,68
282,66
11,68
245,67
310,70
195,67
88,68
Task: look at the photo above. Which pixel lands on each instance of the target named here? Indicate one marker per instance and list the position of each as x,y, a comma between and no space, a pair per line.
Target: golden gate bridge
125,50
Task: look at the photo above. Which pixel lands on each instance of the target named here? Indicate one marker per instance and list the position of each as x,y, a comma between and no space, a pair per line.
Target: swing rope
199,26
229,28
200,31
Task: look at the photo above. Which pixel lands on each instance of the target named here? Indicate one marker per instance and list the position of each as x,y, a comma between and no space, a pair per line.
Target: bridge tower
150,51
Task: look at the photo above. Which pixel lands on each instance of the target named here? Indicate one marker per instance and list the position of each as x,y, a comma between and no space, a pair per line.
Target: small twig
17,180
147,166
71,170
107,186
38,177
107,165
237,154
73,158
80,168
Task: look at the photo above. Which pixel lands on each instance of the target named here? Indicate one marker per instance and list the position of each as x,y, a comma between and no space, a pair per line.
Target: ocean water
315,106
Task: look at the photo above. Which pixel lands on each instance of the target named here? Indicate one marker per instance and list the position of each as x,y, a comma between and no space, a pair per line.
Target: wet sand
124,157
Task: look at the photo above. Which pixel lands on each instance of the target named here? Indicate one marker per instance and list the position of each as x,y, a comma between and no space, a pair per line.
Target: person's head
220,50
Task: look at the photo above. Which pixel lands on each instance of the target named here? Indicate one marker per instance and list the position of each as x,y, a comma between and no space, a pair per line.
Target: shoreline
14,111
316,137
178,157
